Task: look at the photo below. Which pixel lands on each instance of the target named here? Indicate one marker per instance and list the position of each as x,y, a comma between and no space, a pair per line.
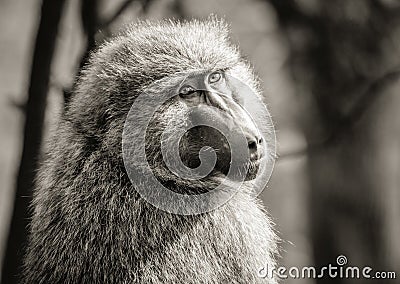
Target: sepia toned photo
182,141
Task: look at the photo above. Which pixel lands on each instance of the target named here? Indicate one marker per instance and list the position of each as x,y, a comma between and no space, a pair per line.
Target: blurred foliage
343,57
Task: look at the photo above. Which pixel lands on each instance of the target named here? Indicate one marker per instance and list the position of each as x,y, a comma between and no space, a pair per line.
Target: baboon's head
205,114
200,83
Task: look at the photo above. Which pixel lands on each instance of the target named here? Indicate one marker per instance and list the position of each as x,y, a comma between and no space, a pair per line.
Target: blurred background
331,77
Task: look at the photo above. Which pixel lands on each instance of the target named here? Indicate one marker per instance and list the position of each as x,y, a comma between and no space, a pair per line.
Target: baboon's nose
254,143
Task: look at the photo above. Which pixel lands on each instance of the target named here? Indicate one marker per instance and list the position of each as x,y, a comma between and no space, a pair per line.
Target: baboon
90,225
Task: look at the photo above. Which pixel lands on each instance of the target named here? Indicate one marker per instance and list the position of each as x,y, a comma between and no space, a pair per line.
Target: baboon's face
211,109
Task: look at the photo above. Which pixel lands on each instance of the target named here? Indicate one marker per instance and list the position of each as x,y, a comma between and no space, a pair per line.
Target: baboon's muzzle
224,125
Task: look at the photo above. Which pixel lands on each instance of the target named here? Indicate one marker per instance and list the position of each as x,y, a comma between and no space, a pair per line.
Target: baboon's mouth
252,169
245,172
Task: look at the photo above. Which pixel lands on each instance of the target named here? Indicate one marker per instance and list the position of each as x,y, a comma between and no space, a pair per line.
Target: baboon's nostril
252,144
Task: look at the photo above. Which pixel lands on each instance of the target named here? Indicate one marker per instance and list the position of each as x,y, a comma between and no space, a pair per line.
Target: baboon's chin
251,176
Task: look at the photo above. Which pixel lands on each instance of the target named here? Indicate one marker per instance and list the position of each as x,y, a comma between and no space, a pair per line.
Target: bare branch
125,5
118,13
348,121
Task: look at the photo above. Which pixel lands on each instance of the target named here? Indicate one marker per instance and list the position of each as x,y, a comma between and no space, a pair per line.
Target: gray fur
90,226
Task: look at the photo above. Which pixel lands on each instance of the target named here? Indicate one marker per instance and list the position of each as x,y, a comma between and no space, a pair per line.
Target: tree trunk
51,12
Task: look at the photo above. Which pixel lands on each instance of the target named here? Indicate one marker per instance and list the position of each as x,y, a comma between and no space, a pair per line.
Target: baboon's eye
214,77
186,90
